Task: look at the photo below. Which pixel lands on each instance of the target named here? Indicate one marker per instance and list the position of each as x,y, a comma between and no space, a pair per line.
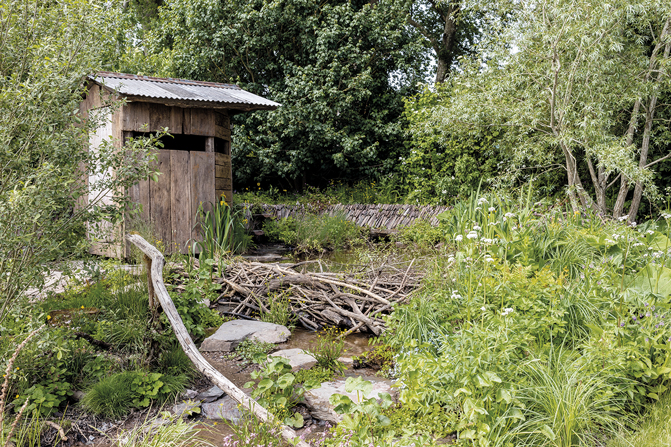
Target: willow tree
581,84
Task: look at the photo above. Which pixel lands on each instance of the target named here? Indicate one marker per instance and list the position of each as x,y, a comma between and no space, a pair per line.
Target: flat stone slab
230,334
317,400
298,359
224,408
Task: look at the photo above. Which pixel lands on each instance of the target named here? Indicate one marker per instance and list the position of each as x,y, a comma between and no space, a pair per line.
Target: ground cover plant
542,326
100,338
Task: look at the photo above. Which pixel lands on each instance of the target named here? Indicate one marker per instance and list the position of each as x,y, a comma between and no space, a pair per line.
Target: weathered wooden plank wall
373,216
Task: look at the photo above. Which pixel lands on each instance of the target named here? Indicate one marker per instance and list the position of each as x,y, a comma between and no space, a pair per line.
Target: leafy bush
523,282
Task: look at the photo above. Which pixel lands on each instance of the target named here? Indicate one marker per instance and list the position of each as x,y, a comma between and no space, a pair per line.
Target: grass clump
112,396
115,395
279,311
327,349
654,427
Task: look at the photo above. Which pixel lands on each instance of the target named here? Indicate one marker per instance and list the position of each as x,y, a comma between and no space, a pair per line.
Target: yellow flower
17,396
48,317
82,307
258,184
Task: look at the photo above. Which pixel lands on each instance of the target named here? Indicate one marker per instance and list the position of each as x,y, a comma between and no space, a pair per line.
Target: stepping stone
230,334
224,408
298,359
210,395
317,400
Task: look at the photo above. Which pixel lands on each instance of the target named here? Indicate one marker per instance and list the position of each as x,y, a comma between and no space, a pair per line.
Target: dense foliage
540,327
338,69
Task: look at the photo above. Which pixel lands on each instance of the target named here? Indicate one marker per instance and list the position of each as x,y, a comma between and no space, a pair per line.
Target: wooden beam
190,349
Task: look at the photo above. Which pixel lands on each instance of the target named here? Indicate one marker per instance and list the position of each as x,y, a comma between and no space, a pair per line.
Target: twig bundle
354,299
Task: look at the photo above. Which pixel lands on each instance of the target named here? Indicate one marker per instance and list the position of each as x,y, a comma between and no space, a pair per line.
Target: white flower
489,259
492,209
623,218
459,238
472,235
444,191
477,228
483,308
666,216
650,232
509,215
506,311
482,200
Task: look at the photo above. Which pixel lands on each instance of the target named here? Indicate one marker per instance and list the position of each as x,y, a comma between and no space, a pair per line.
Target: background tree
340,69
577,66
47,50
449,28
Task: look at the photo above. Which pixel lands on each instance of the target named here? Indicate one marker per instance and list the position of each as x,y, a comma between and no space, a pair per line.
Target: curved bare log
157,263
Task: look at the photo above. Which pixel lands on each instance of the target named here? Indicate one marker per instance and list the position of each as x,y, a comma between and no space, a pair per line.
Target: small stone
230,334
191,394
347,361
77,396
225,408
210,395
298,359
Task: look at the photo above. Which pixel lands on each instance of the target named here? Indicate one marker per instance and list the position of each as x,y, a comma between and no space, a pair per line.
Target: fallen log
160,291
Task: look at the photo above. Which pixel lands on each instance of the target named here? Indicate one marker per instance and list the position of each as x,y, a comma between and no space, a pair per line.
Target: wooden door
171,203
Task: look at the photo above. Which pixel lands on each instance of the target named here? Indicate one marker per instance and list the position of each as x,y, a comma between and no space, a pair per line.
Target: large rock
317,400
298,359
230,334
224,408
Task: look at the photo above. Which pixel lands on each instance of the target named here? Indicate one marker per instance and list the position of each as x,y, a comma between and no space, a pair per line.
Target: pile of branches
355,299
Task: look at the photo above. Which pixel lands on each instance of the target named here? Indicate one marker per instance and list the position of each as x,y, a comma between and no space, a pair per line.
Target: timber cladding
194,164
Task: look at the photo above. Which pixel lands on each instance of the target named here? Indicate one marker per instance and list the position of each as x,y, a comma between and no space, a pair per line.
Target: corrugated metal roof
180,90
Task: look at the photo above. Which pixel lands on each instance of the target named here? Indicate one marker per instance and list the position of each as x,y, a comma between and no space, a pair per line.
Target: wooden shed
195,164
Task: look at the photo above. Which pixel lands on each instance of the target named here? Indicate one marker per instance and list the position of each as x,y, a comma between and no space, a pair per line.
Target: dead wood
158,261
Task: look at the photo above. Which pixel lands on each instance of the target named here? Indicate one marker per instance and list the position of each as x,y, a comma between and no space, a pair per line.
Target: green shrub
276,392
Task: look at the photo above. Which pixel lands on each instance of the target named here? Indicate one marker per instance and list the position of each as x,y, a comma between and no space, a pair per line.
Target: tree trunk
624,187
624,183
446,49
645,146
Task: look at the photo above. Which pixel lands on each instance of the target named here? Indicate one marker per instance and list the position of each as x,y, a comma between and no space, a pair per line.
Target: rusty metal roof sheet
181,90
